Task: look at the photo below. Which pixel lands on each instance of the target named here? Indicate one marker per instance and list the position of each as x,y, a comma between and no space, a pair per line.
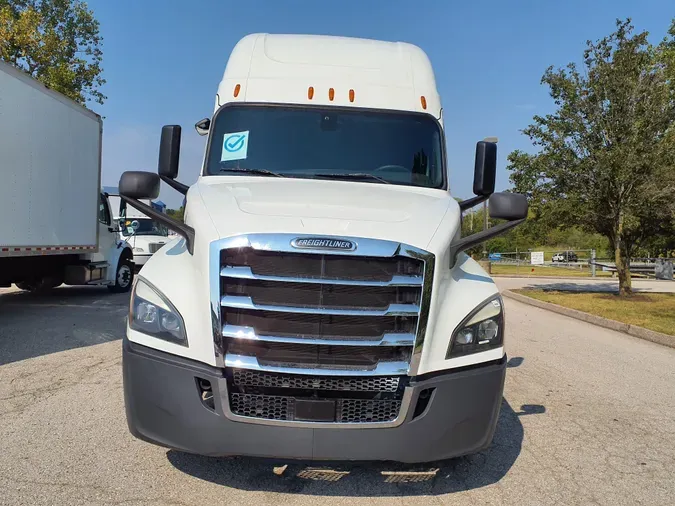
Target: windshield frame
337,108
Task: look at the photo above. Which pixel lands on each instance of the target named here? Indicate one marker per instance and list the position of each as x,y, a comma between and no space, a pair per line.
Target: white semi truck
145,235
56,225
319,304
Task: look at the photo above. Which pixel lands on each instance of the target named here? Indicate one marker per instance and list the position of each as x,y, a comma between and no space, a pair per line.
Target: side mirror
135,186
508,206
139,185
135,225
169,151
485,169
202,126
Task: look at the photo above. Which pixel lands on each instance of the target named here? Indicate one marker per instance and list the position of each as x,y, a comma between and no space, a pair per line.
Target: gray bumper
163,406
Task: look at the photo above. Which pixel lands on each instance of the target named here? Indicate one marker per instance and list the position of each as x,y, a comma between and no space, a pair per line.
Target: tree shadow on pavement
464,473
62,319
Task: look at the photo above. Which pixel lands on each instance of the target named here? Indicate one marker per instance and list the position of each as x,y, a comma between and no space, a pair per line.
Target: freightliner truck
319,304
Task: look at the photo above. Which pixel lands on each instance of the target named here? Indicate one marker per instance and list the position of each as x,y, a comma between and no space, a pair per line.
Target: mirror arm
475,239
181,228
469,203
180,187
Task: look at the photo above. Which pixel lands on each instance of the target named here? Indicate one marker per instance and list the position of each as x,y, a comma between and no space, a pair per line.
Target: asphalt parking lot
588,417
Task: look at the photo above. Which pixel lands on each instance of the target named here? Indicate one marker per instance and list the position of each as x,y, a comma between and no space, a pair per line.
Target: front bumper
141,258
164,407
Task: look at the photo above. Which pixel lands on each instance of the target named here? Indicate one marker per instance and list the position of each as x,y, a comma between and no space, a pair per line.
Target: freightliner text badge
323,243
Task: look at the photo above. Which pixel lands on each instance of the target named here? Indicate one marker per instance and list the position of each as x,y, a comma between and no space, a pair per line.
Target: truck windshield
327,143
146,227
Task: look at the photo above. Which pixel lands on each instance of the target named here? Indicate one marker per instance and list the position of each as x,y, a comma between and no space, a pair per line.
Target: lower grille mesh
244,377
367,411
268,407
276,407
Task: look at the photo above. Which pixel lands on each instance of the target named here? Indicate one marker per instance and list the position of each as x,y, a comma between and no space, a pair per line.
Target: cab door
107,235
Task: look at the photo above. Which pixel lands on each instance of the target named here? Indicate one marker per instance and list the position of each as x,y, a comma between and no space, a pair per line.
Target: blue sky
163,60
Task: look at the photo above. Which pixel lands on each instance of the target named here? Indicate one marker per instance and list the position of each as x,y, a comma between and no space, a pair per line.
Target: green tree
176,214
605,156
55,41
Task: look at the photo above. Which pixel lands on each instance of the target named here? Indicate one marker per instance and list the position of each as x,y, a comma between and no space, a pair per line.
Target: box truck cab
144,235
318,304
56,225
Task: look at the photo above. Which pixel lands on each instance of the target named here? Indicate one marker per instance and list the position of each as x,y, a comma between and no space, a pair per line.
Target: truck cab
317,303
144,235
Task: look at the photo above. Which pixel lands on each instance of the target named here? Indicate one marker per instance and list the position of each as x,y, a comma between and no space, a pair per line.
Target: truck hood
257,205
144,240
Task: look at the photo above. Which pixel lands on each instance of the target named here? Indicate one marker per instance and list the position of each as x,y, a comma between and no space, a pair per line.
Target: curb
639,332
567,278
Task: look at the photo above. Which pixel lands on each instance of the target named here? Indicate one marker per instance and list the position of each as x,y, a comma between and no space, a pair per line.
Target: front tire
124,277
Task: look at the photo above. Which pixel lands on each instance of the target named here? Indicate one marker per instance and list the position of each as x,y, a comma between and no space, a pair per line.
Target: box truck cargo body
55,223
319,304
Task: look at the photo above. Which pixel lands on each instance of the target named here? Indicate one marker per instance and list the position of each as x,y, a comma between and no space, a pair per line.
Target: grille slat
316,356
244,302
303,265
312,295
387,339
381,369
246,273
319,325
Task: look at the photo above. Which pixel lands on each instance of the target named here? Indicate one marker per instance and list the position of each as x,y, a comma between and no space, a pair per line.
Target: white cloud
136,147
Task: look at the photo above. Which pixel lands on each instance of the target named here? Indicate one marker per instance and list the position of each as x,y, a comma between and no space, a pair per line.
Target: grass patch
653,311
539,270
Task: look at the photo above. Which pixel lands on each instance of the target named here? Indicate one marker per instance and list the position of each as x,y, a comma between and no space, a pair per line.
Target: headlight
139,250
482,330
151,313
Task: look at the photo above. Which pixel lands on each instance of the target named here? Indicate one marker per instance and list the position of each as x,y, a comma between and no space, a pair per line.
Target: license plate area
315,410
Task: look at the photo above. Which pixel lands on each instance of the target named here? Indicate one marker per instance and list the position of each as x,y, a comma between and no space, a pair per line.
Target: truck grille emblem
323,243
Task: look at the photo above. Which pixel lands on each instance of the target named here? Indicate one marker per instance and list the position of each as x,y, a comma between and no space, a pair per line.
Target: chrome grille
155,246
319,326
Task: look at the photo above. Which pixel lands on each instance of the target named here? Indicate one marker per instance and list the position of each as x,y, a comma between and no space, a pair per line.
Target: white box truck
56,225
319,304
145,235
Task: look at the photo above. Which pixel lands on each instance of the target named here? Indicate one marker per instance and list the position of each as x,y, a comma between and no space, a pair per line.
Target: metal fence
581,262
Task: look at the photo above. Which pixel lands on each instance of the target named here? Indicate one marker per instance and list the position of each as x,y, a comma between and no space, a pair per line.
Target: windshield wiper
259,172
353,175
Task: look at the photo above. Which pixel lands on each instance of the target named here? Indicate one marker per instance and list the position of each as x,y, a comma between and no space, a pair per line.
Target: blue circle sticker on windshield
235,146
